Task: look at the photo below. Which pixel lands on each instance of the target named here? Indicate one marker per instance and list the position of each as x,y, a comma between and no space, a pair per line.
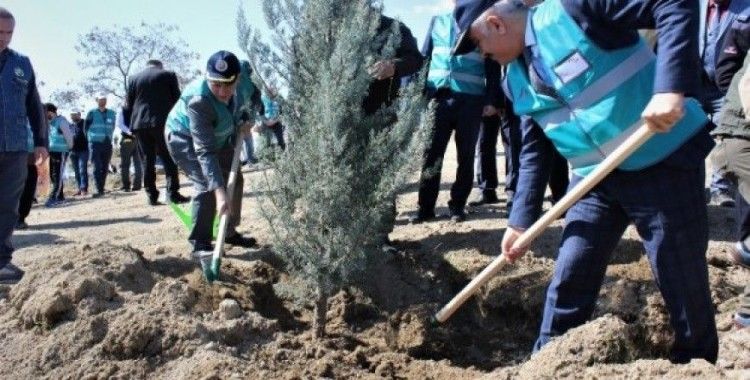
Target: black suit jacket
151,95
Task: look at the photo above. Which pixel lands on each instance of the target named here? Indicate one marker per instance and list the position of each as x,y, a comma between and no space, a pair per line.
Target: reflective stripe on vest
102,126
464,74
56,139
178,121
599,95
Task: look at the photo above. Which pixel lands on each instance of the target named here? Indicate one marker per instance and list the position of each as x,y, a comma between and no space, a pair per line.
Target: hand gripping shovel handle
610,163
213,273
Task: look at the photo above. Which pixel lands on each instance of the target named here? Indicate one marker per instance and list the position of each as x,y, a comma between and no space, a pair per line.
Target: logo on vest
572,67
19,72
221,65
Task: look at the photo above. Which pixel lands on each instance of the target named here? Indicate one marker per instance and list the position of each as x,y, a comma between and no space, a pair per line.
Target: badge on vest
19,72
572,67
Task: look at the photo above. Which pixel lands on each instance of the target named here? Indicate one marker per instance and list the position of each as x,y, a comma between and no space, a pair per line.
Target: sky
47,30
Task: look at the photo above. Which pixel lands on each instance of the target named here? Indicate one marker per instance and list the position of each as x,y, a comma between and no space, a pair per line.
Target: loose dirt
111,292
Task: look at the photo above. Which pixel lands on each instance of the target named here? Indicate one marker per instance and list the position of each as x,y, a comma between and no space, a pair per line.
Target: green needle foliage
330,192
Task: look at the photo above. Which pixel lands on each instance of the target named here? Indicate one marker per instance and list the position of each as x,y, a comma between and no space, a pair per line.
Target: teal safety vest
102,126
178,121
271,108
464,73
57,141
599,95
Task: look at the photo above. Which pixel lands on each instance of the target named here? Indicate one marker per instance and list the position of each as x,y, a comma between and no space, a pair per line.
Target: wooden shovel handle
605,167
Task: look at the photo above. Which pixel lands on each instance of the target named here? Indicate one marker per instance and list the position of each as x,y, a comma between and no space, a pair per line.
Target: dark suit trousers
667,207
151,143
487,154
462,113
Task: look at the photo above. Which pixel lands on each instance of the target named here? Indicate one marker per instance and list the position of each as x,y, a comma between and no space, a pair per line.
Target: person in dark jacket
734,126
21,105
151,95
387,74
79,154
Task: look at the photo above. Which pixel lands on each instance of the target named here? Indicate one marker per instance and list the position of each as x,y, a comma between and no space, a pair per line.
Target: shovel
605,167
211,268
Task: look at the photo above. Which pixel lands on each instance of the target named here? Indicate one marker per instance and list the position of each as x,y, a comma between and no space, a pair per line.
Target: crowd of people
559,85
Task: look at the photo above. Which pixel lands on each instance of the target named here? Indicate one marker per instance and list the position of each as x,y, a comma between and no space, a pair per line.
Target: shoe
50,203
179,198
97,194
10,274
125,189
136,189
739,255
722,199
241,241
77,194
84,193
421,217
154,202
487,198
21,225
458,216
741,321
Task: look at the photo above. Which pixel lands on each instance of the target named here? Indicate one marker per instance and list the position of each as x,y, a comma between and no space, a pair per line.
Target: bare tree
113,54
68,98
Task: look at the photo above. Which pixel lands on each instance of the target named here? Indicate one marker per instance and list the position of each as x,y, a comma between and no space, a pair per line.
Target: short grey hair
511,8
5,14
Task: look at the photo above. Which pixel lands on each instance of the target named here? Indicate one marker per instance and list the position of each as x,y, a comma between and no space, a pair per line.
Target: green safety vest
178,120
102,126
57,141
465,73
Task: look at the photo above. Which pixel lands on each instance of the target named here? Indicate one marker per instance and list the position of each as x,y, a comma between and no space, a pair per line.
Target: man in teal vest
58,153
589,85
200,133
100,124
465,89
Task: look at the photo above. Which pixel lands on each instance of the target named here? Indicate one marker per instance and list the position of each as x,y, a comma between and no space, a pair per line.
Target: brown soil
114,295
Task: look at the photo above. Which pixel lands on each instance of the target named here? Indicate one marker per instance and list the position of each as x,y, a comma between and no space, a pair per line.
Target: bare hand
489,110
383,70
510,237
258,128
246,128
664,111
40,154
222,202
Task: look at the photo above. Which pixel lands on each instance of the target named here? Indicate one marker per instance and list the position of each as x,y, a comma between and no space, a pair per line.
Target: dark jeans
462,113
80,162
667,207
204,201
278,132
57,162
486,167
101,155
129,152
151,143
12,179
29,189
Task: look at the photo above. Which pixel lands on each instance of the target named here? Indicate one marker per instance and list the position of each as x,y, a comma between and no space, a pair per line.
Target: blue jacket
709,49
677,63
736,45
20,104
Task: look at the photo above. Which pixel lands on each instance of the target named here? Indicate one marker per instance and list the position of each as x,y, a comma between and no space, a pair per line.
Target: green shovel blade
186,217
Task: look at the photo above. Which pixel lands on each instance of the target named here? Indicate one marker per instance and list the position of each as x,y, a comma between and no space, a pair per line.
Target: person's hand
510,237
222,201
40,154
383,70
246,128
489,110
258,128
664,111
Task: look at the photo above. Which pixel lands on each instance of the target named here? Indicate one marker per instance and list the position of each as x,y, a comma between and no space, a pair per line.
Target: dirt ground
110,292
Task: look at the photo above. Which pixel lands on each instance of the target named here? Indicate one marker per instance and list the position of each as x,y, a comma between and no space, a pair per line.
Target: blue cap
465,13
223,66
